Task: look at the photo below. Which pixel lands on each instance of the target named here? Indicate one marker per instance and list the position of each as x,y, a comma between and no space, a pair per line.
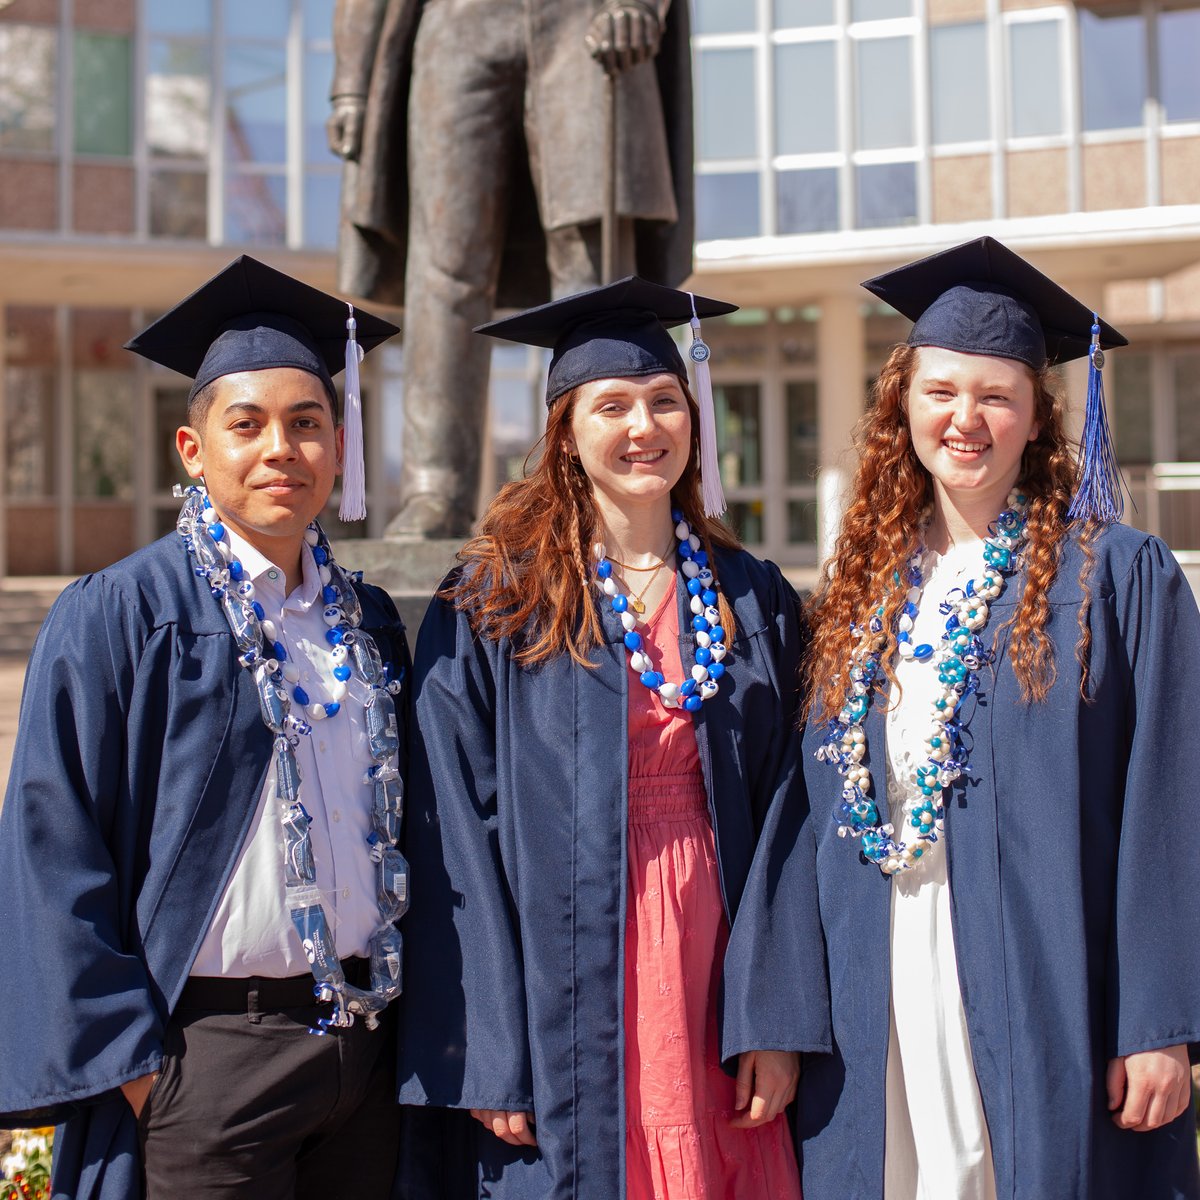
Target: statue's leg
573,255
464,118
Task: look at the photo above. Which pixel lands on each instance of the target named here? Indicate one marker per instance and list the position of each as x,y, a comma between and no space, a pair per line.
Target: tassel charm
354,483
712,493
1098,486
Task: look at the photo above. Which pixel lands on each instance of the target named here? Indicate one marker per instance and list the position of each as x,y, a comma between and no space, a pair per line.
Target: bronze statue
474,138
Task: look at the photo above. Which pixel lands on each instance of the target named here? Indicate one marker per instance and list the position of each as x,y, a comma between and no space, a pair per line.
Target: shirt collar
258,568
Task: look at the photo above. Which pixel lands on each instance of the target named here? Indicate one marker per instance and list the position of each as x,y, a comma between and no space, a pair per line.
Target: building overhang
1078,248
120,273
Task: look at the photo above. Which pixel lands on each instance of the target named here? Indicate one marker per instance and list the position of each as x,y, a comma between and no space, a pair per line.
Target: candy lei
942,757
353,651
707,632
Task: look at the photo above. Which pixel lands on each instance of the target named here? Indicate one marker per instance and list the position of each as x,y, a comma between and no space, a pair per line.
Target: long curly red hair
527,572
890,492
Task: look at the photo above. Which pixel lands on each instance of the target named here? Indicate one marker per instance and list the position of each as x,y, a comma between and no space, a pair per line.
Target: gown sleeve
80,1017
775,978
1154,953
465,1042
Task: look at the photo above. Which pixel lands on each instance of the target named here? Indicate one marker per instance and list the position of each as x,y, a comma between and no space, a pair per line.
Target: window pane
1035,74
170,16
726,206
170,411
807,200
1178,54
1187,407
802,521
887,195
179,204
802,431
256,209
103,415
256,104
177,99
318,74
723,16
28,66
262,19
805,87
885,93
958,71
879,10
728,125
745,518
1130,405
29,444
793,14
322,196
102,94
738,437
1112,53
318,18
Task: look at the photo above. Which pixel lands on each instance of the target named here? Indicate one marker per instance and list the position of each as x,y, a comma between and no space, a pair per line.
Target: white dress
937,1145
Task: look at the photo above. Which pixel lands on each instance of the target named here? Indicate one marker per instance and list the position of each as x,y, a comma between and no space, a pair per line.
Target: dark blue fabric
613,346
259,341
139,760
516,838
1075,908
982,318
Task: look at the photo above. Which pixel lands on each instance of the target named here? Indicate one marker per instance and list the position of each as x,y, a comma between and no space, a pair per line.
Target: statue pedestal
408,570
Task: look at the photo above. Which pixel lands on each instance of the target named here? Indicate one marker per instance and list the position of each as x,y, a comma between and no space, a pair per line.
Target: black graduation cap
981,298
251,317
612,332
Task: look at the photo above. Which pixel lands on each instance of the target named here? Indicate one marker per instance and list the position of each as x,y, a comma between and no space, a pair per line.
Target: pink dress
679,1144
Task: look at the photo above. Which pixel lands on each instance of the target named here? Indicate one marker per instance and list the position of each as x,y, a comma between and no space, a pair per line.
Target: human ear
191,451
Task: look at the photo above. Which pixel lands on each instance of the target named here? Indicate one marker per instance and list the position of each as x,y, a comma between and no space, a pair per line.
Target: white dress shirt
251,932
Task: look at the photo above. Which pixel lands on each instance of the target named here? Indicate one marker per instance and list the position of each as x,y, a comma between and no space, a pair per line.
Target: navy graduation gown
516,837
1075,909
139,761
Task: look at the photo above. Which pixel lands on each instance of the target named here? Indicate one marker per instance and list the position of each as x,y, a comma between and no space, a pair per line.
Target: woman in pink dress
606,696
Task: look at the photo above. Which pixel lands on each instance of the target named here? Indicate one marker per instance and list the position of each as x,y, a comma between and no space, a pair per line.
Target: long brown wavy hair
891,490
527,573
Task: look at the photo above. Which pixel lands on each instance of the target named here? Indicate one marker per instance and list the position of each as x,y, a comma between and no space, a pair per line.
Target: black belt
216,993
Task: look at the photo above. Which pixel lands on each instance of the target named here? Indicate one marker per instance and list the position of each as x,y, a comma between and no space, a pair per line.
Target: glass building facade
143,143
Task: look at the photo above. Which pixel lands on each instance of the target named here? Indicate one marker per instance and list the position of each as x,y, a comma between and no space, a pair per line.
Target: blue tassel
1098,487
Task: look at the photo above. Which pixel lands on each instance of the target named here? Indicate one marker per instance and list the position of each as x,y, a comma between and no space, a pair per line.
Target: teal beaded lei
957,660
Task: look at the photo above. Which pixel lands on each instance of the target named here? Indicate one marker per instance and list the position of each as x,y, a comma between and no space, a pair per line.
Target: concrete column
841,381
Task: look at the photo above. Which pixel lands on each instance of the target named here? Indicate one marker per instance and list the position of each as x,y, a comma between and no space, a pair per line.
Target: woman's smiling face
633,437
970,417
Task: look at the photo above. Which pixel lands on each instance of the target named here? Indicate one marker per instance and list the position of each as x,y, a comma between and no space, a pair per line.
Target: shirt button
335,815
345,893
272,574
321,747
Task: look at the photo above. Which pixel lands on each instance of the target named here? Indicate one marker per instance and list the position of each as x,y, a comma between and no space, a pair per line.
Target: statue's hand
345,125
623,34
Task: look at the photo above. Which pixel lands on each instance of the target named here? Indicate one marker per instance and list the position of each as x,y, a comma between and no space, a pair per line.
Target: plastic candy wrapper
387,958
272,700
380,716
388,806
367,661
392,884
298,863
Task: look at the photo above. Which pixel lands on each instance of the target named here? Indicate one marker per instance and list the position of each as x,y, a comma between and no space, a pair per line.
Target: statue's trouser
466,111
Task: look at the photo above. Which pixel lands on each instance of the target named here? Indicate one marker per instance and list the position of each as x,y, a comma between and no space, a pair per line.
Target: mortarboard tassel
1098,486
710,467
354,474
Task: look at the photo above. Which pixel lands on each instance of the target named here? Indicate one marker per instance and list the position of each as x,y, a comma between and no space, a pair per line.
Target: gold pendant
637,606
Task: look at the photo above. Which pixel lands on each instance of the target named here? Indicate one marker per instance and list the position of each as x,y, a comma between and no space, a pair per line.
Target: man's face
269,452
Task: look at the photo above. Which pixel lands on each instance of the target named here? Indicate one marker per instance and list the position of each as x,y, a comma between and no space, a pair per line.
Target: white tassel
711,491
354,471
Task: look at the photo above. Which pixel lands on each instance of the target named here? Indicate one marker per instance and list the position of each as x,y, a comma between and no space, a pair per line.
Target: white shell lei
942,757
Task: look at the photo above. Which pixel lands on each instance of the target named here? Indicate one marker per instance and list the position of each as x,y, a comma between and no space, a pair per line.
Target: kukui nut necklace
707,632
353,651
942,757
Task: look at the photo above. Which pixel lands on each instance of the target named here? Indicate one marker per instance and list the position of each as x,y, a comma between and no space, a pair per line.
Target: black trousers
251,1104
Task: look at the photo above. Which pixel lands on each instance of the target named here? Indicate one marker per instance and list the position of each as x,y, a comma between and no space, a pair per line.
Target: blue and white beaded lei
707,631
958,659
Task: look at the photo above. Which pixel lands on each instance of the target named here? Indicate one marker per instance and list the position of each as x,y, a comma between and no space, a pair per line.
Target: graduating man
198,839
